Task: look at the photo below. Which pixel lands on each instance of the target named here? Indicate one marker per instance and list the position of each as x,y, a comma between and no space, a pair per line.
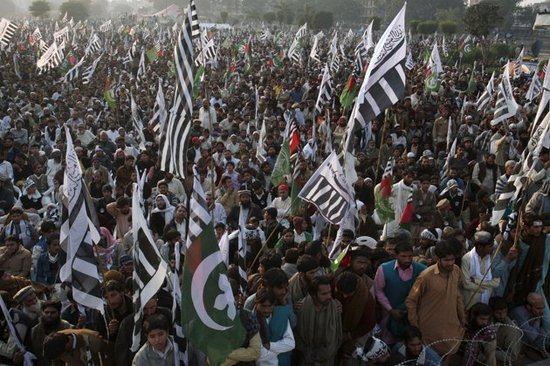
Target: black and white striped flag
176,133
50,59
107,26
89,72
43,46
195,26
506,105
328,191
314,55
61,35
241,250
132,53
409,63
136,123
141,68
36,35
265,35
485,99
519,63
149,267
199,217
207,54
159,111
361,53
78,235
504,199
325,91
384,83
94,44
535,88
7,30
73,73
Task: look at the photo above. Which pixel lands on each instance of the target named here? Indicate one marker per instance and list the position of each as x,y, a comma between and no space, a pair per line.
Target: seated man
529,318
508,336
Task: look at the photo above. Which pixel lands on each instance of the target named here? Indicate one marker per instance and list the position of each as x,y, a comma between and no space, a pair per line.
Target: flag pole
270,236
380,151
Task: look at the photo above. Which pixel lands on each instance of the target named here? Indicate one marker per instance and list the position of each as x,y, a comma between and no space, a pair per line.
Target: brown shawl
524,278
319,331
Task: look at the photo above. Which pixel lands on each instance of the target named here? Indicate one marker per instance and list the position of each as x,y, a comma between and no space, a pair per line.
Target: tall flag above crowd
176,131
209,315
506,105
78,235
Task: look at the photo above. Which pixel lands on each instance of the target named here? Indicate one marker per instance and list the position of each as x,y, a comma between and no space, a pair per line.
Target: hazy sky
526,2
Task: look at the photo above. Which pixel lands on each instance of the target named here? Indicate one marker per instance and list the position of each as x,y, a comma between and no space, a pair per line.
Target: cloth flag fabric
382,193
282,164
325,91
176,132
327,190
545,99
384,83
7,31
136,123
534,88
149,267
506,105
89,72
78,235
159,110
209,315
485,99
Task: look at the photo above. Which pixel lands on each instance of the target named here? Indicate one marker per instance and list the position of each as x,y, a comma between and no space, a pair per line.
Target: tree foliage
427,27
223,16
323,20
413,25
448,27
76,9
375,23
39,8
270,17
482,18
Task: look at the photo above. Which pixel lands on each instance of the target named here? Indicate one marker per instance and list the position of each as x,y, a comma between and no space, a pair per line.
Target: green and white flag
209,315
282,164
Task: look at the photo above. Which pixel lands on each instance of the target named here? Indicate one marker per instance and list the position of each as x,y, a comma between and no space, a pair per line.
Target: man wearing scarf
50,322
358,314
299,284
161,215
477,277
319,329
530,272
275,331
400,193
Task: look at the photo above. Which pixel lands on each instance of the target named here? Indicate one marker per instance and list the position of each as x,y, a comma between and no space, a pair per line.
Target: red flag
385,186
408,212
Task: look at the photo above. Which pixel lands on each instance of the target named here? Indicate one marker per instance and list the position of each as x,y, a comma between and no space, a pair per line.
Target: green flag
282,164
349,93
109,96
431,84
334,265
152,55
209,316
197,82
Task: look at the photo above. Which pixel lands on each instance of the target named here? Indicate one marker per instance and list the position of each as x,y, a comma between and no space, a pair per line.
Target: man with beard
358,313
319,330
485,174
298,285
118,307
25,316
392,283
435,305
14,258
49,322
244,211
530,272
124,355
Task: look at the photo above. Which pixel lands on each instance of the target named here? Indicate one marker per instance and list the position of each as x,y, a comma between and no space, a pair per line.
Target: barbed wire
508,360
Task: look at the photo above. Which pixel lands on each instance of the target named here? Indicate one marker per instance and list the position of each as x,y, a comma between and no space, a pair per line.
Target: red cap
283,187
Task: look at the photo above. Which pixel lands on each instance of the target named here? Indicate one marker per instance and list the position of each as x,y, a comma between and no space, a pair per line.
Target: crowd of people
447,288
